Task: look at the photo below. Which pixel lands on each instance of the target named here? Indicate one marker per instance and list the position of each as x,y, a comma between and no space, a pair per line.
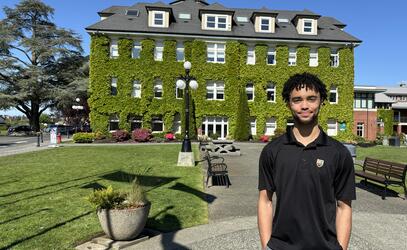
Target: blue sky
381,25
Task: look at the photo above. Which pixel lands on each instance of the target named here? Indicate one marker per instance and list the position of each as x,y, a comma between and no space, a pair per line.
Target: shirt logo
320,163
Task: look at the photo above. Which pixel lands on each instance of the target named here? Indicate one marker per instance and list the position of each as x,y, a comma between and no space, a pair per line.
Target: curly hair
307,80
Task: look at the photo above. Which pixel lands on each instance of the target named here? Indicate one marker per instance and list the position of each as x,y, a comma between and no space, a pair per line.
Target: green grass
394,154
42,204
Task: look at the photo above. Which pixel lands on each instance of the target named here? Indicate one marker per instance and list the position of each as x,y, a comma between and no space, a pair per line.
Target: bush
169,136
179,137
141,135
120,135
83,137
99,136
264,138
214,136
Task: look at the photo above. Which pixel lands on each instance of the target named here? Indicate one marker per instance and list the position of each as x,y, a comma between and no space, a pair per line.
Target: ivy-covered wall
386,115
235,74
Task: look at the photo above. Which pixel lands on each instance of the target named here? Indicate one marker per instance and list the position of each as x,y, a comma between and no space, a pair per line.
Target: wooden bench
217,169
384,172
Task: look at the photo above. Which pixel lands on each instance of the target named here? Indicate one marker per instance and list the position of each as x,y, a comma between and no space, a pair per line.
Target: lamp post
77,108
184,82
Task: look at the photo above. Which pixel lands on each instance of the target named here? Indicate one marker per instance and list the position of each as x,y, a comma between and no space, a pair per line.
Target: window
251,56
136,49
179,93
333,95
363,100
250,91
290,122
215,90
253,126
114,49
158,88
157,124
219,22
180,52
265,24
135,123
334,60
158,51
215,125
136,89
242,19
113,86
292,57
308,28
313,58
271,92
176,126
158,18
132,12
271,125
216,53
271,56
360,129
332,128
184,16
113,122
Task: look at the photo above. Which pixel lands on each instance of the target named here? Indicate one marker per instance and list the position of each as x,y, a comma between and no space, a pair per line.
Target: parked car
20,130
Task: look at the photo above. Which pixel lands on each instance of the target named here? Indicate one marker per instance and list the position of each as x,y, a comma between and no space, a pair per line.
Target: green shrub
84,137
120,135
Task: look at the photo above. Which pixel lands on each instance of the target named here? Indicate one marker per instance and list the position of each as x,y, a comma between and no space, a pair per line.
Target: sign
53,135
342,126
77,107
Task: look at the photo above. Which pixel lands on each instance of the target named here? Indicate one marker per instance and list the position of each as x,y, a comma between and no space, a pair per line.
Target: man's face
304,105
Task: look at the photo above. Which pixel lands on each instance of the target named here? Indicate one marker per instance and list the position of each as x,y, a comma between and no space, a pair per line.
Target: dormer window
158,18
307,24
308,27
217,22
265,24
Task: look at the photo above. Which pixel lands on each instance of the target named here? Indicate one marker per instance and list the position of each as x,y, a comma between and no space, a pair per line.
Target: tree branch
18,59
44,108
22,51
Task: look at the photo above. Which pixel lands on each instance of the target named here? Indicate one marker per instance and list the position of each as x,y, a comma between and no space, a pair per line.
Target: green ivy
386,115
235,73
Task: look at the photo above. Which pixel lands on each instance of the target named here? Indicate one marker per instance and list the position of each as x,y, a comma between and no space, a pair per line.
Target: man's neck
306,133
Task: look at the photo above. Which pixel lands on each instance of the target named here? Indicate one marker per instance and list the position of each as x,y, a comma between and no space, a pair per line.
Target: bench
384,172
217,169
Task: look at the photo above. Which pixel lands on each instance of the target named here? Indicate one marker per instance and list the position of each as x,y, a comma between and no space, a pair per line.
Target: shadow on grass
376,189
94,186
22,216
184,188
15,243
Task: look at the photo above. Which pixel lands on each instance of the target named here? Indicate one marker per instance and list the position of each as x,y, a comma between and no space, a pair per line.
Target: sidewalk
31,147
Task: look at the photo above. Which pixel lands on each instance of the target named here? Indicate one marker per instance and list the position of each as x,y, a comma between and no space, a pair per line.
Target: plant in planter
122,215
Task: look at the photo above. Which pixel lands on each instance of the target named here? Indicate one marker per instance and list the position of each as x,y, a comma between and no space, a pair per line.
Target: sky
382,26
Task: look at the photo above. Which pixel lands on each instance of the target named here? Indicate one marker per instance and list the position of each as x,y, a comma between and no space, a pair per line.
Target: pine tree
242,131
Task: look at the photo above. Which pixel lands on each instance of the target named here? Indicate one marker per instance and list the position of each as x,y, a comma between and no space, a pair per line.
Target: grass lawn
394,154
42,194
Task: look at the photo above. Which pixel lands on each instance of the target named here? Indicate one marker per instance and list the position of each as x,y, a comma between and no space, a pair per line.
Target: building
137,53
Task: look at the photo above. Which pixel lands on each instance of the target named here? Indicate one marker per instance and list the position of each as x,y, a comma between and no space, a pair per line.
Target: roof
399,105
396,91
383,98
118,22
369,89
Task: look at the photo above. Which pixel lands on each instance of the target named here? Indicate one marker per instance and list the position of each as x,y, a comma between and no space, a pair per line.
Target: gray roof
396,91
119,22
383,98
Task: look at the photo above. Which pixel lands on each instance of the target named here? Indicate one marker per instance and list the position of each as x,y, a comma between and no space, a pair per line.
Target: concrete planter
123,224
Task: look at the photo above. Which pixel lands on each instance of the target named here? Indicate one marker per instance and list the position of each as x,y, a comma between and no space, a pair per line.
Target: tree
38,60
242,131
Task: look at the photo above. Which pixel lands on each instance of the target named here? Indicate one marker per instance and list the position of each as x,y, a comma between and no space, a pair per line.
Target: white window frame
114,119
180,52
360,127
114,48
251,56
332,127
334,60
216,49
136,93
312,26
136,50
113,84
157,120
215,87
217,17
271,126
271,52
158,88
250,90
333,90
159,51
177,93
153,13
136,119
177,124
223,121
271,90
292,57
253,130
269,19
313,58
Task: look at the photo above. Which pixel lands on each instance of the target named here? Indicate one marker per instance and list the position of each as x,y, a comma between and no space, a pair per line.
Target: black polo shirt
307,181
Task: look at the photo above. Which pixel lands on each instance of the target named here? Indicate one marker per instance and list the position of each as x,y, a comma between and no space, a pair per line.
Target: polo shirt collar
322,139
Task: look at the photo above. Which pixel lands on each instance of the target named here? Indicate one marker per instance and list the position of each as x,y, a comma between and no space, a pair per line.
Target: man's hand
265,216
343,222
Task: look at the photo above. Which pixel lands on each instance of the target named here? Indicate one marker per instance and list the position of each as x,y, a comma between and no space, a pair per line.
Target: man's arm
264,216
343,222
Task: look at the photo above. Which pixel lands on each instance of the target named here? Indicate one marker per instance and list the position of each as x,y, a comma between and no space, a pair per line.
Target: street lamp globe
193,84
181,84
187,65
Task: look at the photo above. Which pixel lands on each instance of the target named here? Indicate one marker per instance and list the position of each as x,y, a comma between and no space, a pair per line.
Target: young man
312,176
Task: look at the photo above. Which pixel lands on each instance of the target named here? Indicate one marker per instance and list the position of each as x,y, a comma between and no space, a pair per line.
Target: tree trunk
35,117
